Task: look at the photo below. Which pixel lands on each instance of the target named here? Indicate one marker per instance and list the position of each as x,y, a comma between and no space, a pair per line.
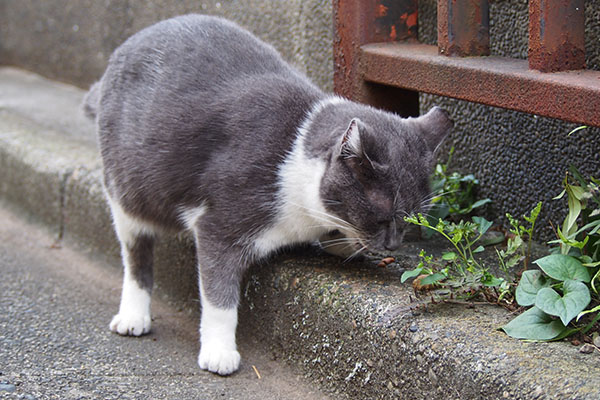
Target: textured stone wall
519,158
71,40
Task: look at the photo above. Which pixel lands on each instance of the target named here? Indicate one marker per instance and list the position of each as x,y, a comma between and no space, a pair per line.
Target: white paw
219,361
130,324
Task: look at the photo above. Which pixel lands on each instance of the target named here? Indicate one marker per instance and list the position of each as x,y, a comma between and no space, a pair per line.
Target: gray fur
194,111
140,260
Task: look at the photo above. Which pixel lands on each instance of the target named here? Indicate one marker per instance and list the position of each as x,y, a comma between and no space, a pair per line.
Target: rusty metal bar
556,35
358,22
463,27
496,81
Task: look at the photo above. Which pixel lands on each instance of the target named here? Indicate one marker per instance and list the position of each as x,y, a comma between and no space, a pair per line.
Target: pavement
55,306
351,330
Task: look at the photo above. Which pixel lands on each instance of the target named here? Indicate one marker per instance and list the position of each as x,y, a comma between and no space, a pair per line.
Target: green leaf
577,129
591,324
593,282
560,195
570,222
562,267
456,236
410,274
433,278
480,203
513,244
577,191
534,324
534,213
530,284
482,224
575,299
595,309
514,260
449,256
567,332
492,239
491,281
478,249
571,242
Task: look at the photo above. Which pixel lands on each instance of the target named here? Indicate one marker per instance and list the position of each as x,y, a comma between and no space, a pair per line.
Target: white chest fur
301,216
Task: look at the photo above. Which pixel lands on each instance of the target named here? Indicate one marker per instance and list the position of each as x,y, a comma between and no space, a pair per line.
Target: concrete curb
350,327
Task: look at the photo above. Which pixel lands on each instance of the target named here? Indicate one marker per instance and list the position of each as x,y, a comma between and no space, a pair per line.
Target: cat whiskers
331,221
332,202
357,252
431,196
340,241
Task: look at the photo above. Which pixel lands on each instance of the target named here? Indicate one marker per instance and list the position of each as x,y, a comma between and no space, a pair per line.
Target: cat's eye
384,223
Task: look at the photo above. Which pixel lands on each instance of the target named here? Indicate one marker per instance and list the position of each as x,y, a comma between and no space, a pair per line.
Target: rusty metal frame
464,27
358,22
374,66
556,35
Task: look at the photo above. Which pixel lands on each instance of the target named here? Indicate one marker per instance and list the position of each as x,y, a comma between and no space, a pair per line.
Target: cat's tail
91,101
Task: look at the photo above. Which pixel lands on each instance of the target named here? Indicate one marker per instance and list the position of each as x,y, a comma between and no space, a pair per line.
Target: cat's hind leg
137,243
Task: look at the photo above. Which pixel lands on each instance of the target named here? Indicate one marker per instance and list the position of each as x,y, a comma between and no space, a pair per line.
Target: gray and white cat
204,127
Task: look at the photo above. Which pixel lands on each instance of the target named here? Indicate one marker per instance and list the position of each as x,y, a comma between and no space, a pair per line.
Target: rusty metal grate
378,59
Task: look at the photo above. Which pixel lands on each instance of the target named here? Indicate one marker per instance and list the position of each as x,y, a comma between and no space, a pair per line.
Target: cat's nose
391,247
393,240
393,243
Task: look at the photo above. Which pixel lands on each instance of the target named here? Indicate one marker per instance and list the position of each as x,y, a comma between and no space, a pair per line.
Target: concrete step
352,328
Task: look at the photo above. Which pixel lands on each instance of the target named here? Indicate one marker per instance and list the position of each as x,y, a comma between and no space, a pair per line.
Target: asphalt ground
55,305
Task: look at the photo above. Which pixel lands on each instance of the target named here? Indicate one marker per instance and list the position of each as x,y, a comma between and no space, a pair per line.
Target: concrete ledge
350,327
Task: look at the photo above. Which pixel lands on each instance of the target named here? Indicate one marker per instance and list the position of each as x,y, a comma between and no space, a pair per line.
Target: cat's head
379,172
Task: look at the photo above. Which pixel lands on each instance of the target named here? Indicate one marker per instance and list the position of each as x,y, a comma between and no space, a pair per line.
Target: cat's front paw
130,324
219,361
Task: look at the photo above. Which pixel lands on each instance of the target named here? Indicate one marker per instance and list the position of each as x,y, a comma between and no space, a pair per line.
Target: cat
203,127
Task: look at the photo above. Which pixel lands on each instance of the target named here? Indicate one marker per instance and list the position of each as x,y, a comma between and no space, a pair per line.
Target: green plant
565,284
453,193
518,246
457,271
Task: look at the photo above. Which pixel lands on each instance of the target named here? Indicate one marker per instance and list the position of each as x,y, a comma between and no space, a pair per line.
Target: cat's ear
351,145
352,148
435,126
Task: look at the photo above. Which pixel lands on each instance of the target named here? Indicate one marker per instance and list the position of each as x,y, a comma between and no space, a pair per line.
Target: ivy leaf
562,267
530,284
534,324
575,299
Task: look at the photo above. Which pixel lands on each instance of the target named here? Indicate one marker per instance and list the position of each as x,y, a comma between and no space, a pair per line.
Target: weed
565,285
454,194
458,272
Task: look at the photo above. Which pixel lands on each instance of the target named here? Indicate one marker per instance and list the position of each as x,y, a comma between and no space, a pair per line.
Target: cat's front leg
218,349
220,274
